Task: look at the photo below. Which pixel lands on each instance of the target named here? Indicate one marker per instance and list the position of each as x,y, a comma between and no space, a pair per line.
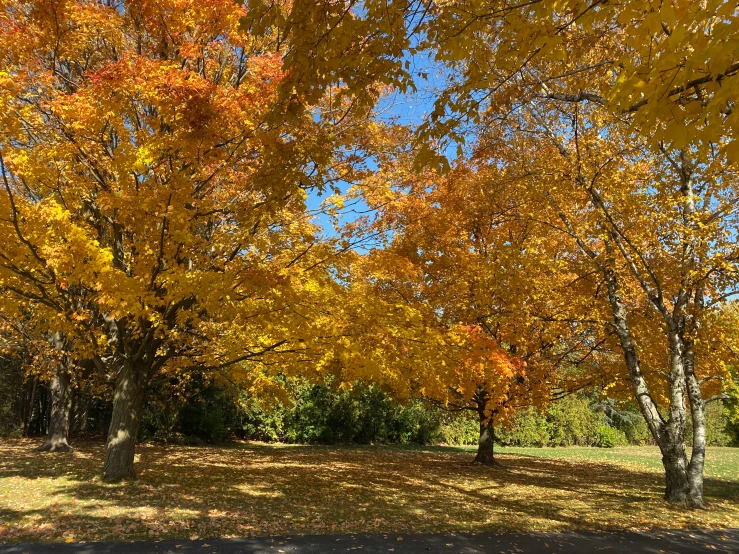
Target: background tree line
325,414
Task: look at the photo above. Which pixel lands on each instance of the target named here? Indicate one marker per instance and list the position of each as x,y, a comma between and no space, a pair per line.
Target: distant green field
264,489
721,463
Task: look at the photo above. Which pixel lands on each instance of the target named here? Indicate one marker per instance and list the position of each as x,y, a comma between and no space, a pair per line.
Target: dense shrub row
365,414
316,414
573,421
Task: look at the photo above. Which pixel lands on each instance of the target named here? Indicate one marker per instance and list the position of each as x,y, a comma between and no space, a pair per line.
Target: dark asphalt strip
652,542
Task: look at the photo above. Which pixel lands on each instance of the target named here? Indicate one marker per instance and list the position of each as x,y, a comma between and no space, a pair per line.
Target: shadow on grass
258,489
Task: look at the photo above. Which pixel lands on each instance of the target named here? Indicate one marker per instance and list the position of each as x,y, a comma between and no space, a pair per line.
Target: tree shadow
255,490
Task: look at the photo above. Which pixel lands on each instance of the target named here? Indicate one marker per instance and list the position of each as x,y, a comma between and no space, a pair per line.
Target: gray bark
684,481
698,453
675,462
137,362
124,425
683,485
57,435
639,384
486,445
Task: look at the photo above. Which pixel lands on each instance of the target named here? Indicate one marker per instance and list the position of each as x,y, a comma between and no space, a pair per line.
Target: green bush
319,413
731,412
371,416
324,416
636,431
718,427
459,430
255,421
417,424
527,428
572,422
626,417
609,437
363,414
159,422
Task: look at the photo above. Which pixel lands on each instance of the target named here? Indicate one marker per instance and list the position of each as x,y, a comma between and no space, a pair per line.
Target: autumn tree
154,185
666,66
655,80
656,261
355,44
155,158
459,302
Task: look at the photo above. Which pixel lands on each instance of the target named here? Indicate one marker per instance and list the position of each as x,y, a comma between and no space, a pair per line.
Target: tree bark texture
128,402
486,444
57,435
60,391
683,478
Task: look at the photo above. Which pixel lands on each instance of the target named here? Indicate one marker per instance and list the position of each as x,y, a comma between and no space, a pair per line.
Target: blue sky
407,109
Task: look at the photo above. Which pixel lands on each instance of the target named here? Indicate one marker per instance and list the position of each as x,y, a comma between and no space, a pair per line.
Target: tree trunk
60,391
485,453
61,404
124,424
669,435
696,497
675,463
29,405
80,411
683,478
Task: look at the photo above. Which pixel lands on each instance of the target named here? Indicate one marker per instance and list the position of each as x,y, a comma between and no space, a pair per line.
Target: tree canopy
159,158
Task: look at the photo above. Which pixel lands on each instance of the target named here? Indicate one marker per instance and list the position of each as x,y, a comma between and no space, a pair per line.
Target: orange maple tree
462,302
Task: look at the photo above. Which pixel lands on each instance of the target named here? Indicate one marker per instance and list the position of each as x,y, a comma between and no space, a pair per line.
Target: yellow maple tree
154,192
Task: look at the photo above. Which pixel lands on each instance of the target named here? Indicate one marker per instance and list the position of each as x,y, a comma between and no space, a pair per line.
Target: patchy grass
254,489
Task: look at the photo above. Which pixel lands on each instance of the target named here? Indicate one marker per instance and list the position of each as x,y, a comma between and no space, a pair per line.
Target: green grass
723,463
254,489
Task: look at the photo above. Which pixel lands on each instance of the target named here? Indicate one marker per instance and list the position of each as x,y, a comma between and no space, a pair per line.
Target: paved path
654,542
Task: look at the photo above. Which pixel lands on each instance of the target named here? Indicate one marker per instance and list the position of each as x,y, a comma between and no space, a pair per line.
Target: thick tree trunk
683,479
675,463
124,425
672,439
485,447
61,405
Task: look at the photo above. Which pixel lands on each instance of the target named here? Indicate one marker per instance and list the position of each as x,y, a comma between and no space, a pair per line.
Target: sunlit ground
252,489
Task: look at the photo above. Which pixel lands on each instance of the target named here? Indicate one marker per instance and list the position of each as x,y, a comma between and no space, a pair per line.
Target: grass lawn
252,489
